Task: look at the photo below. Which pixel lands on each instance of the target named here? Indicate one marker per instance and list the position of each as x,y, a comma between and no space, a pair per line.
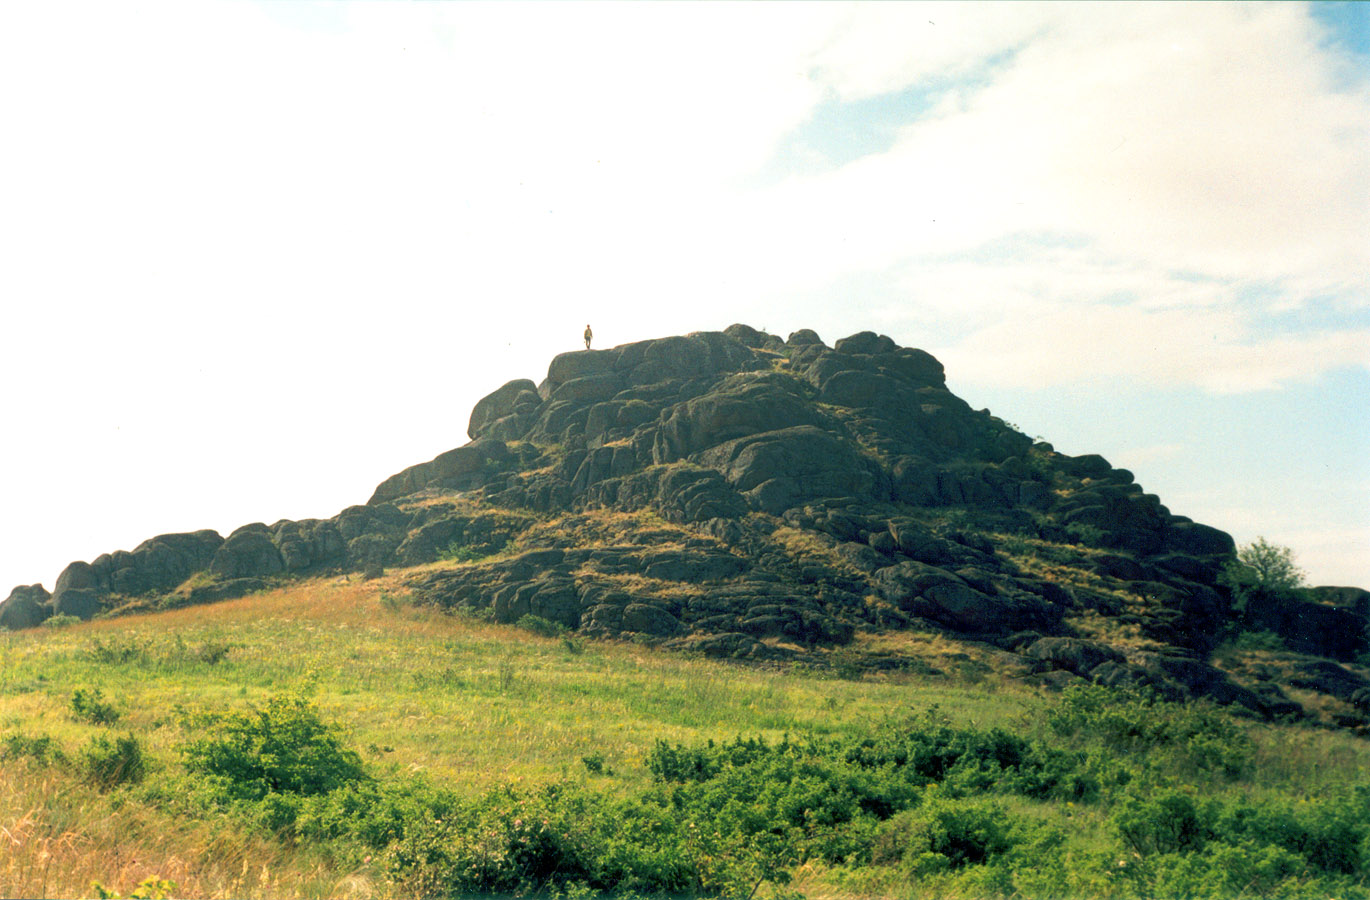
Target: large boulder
27,606
503,402
775,470
804,337
645,618
457,469
83,603
750,337
309,543
1308,626
160,563
1072,654
865,343
1193,539
968,600
589,388
248,552
742,405
84,578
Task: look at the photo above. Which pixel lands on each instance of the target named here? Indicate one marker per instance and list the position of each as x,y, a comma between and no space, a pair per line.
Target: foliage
1192,735
89,705
110,763
118,651
42,749
942,834
1263,566
540,626
61,620
1088,793
1085,534
281,748
150,888
1215,847
459,552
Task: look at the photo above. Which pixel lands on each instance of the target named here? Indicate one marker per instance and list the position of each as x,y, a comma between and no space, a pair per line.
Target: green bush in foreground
281,748
933,807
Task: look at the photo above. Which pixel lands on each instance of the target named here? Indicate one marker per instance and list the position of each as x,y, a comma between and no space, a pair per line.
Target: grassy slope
472,704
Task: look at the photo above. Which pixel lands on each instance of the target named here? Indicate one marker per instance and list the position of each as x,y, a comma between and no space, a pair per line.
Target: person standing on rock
589,335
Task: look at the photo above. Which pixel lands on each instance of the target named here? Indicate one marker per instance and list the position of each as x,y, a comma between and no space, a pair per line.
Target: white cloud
1162,159
245,217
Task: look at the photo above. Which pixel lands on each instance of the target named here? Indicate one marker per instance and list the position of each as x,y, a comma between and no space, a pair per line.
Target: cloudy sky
256,257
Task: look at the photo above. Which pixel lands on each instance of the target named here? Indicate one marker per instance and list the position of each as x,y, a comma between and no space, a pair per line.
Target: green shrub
1166,823
118,652
110,763
282,748
945,834
210,653
1239,847
1330,835
1255,640
41,749
61,620
1188,735
1262,566
459,552
540,626
90,706
561,837
372,812
1086,535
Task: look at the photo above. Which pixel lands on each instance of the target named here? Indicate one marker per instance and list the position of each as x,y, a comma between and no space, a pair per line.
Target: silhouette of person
588,336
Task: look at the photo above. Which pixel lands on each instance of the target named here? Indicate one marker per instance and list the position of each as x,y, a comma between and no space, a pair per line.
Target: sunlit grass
473,705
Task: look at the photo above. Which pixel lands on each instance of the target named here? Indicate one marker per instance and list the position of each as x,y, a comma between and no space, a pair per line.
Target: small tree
1263,566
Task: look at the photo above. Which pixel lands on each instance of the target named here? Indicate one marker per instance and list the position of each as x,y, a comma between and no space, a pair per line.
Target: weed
506,675
110,763
90,706
150,888
118,652
41,749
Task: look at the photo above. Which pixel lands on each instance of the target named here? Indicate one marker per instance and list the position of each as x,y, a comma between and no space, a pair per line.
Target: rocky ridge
742,496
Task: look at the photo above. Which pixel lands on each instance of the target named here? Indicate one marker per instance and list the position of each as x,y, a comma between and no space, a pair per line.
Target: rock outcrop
743,496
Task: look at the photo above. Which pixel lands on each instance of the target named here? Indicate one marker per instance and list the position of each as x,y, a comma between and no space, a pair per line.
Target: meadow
139,756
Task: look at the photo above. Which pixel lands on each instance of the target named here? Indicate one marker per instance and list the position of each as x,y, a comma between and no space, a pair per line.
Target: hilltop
771,501
719,615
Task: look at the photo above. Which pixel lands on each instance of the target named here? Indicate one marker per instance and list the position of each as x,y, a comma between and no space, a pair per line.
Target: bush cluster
917,797
1185,736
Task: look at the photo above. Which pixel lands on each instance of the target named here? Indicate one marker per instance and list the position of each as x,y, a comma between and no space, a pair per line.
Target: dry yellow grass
61,836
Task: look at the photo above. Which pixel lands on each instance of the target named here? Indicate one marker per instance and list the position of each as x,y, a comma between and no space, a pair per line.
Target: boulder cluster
745,496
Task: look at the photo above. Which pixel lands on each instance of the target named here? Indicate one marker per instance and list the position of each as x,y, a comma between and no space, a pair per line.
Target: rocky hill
742,496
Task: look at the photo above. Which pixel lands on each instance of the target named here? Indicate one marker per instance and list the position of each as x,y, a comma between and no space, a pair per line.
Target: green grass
471,706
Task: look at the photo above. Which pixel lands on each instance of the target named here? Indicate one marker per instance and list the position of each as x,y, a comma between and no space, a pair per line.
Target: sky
255,257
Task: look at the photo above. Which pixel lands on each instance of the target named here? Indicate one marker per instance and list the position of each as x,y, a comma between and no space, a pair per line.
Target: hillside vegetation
709,615
332,739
